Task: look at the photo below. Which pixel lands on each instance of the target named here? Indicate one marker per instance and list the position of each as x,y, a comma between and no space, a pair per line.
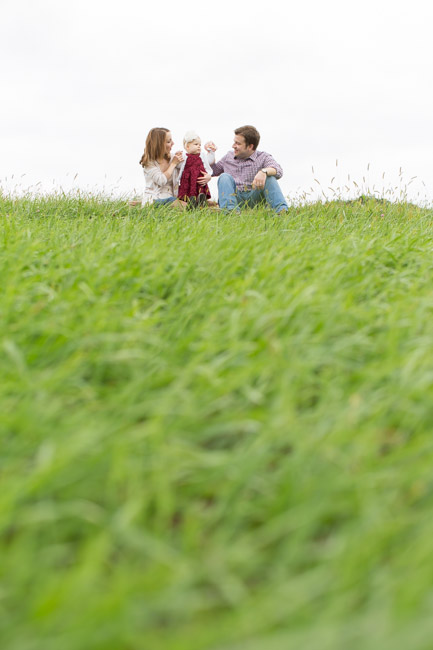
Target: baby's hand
210,146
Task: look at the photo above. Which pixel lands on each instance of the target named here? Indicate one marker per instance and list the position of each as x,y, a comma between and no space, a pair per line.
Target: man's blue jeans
230,198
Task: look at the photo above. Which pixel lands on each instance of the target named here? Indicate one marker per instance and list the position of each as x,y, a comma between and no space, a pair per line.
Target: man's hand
259,180
202,180
210,146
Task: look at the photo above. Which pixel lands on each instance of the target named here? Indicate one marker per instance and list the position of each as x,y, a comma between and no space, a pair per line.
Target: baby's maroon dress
188,183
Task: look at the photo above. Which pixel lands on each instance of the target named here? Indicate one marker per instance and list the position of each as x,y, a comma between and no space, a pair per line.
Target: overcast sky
83,82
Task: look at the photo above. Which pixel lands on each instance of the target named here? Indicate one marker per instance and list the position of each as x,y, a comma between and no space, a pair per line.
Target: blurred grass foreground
216,431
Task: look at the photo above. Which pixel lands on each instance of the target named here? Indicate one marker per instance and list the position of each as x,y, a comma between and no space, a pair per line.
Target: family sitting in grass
246,177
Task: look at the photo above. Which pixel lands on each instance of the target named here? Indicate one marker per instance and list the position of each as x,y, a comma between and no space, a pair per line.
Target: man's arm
270,168
218,168
274,169
270,171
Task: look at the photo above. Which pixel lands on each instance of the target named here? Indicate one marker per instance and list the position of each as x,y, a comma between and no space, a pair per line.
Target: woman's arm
174,162
154,174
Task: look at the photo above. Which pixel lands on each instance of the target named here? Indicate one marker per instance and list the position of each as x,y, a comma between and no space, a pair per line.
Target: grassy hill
216,431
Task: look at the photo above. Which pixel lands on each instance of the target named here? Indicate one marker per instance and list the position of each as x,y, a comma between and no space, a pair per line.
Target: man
247,176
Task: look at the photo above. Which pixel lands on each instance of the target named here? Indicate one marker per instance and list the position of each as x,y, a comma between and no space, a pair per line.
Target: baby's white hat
190,136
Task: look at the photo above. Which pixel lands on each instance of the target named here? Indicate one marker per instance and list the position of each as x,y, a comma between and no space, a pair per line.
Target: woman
160,170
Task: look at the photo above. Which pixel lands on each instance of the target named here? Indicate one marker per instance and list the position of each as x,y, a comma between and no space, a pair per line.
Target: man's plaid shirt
244,171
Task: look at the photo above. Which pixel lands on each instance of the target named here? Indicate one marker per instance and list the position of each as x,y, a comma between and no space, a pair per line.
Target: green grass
216,431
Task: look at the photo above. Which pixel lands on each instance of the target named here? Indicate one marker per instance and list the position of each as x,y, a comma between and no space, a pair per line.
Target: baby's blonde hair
190,136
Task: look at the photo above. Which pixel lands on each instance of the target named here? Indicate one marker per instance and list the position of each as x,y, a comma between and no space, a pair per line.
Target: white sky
83,82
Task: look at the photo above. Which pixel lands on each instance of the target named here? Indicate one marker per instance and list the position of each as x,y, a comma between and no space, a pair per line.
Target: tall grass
215,430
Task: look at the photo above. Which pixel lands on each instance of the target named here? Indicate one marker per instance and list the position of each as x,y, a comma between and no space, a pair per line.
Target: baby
193,187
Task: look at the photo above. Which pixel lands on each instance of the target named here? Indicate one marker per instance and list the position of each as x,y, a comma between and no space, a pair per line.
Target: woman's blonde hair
155,146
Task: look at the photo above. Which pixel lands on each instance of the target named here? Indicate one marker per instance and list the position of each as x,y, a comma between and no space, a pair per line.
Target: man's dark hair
251,135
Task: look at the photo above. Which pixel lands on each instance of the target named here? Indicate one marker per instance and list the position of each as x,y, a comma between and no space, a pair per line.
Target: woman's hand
210,146
177,158
202,180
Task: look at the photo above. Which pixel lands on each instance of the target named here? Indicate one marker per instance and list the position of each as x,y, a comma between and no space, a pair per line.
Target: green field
216,431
